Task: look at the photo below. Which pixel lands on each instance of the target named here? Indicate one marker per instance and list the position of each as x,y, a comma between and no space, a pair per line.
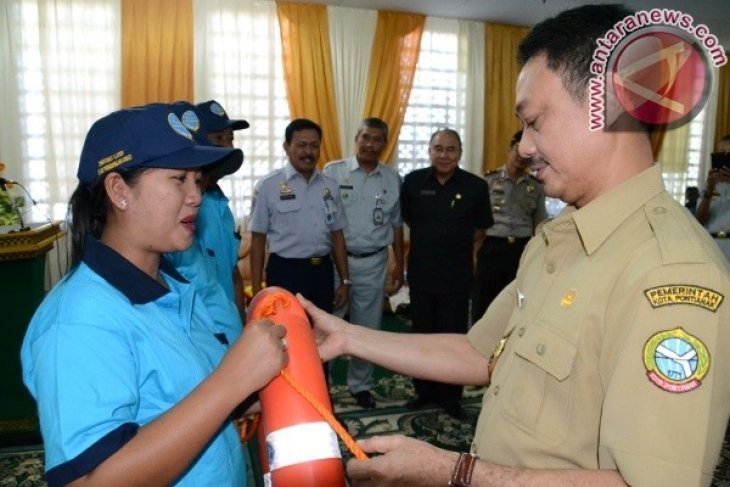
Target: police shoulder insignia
684,294
676,361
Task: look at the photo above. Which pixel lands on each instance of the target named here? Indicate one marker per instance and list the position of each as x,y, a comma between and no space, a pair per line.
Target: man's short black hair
374,123
568,41
300,124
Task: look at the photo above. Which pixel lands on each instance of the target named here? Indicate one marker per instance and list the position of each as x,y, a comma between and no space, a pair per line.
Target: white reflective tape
267,480
301,443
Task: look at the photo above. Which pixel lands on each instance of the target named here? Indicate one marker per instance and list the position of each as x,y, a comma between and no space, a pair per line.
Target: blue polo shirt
199,267
110,350
216,232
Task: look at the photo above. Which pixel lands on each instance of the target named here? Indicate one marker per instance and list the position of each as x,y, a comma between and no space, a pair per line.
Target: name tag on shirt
428,192
289,196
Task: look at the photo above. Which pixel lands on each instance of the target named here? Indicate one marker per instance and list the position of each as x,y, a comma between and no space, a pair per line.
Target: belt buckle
315,261
511,239
722,234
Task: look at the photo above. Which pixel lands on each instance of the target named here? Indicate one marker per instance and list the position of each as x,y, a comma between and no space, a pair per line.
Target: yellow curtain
670,148
500,77
157,51
396,46
722,123
308,71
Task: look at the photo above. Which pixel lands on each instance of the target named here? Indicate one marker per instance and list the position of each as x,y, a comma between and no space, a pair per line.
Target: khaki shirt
517,207
617,349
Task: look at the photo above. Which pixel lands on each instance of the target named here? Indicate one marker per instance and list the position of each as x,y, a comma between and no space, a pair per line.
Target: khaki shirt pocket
541,398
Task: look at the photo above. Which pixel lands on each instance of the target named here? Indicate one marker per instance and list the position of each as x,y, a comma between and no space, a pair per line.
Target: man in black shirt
447,210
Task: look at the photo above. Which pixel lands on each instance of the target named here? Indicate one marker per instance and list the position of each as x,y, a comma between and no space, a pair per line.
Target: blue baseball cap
150,136
190,117
215,119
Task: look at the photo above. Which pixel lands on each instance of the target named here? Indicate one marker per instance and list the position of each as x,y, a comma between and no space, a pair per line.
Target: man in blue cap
219,126
216,228
198,263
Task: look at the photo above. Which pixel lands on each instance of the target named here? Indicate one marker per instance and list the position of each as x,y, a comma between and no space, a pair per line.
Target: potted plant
10,206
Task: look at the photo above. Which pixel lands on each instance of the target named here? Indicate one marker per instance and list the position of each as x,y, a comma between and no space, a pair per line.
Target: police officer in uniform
370,194
299,211
518,205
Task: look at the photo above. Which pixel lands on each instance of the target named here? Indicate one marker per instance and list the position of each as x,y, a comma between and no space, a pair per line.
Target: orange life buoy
302,449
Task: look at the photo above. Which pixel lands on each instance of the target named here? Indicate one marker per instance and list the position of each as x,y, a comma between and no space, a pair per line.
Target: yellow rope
344,435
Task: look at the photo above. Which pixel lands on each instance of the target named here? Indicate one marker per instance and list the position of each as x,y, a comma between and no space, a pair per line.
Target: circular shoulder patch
675,360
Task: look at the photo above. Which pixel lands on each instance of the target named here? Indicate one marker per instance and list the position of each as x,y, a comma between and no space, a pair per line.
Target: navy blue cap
215,119
147,136
190,117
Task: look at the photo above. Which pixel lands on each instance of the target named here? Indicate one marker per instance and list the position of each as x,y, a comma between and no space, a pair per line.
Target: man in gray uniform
518,206
370,193
300,212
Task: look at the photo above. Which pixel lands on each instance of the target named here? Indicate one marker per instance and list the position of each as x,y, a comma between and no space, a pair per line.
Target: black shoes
454,410
364,399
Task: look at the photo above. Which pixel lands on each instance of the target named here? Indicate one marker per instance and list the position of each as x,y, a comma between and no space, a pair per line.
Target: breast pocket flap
547,350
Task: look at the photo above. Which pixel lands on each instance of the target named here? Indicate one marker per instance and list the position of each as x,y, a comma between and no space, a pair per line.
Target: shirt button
521,331
551,268
659,210
540,349
496,390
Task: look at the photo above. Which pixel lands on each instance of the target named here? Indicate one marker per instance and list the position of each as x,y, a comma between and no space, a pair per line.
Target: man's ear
117,190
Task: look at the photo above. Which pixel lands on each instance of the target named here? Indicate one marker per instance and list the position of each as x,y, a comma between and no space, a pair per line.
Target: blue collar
137,286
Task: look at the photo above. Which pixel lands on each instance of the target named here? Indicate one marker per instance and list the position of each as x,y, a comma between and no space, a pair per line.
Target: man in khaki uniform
606,356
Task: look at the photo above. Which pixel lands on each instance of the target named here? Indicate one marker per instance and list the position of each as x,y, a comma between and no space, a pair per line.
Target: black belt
721,235
313,261
362,255
510,239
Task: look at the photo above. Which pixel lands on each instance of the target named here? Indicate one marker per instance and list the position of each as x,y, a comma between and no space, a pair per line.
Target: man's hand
397,278
329,330
403,462
342,295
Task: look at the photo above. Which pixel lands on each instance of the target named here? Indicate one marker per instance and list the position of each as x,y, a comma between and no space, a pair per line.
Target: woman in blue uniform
135,382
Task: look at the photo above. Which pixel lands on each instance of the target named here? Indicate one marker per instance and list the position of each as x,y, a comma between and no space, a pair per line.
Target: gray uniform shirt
371,202
298,216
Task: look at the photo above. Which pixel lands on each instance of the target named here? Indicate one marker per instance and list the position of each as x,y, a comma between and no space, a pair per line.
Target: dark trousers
314,282
497,263
439,313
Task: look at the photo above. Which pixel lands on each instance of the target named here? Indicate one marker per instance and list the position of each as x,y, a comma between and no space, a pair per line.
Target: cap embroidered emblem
191,120
178,126
675,360
217,109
